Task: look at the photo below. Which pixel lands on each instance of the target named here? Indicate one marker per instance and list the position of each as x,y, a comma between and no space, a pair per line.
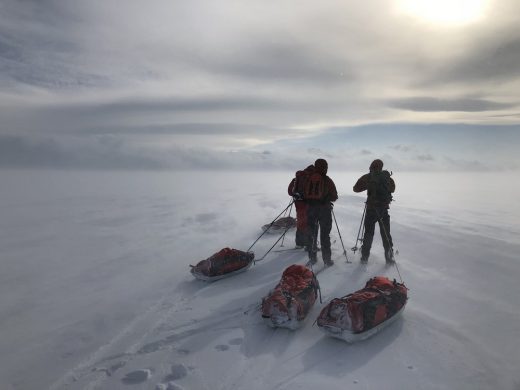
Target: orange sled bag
290,301
222,264
365,312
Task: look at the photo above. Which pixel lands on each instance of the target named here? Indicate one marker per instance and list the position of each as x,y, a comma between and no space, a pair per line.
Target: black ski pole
271,224
361,226
290,210
270,249
382,225
341,239
315,231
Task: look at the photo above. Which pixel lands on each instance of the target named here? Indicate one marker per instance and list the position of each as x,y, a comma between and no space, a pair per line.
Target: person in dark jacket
319,212
295,190
379,186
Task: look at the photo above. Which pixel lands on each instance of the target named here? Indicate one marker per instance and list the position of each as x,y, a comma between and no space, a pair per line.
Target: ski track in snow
458,331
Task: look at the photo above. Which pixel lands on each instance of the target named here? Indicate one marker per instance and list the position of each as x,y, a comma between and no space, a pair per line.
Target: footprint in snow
177,371
137,376
110,370
168,386
221,347
237,341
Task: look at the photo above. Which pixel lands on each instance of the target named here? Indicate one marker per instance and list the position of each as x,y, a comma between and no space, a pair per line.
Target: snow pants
381,216
319,217
302,233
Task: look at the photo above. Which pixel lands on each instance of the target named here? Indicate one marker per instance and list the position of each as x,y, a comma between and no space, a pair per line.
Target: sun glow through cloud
445,12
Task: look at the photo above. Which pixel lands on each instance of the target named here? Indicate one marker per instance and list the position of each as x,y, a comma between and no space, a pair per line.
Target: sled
280,225
225,263
351,337
364,313
288,304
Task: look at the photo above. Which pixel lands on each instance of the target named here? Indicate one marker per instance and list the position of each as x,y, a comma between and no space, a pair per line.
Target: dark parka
377,212
319,215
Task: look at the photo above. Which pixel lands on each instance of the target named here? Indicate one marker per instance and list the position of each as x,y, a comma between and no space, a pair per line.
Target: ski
288,249
293,249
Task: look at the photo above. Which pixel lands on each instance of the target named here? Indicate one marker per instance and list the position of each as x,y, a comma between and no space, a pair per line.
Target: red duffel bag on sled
365,312
222,264
290,301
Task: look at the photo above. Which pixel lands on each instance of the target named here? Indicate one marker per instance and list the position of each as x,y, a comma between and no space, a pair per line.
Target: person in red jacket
296,190
320,192
379,186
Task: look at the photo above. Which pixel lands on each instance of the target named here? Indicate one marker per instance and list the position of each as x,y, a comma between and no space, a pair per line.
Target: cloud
310,66
403,148
488,61
286,62
424,157
430,104
462,148
105,153
38,47
114,152
467,165
319,153
16,151
184,78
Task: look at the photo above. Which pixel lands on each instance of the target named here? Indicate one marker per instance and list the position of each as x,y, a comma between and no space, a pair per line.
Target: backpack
314,187
378,188
299,183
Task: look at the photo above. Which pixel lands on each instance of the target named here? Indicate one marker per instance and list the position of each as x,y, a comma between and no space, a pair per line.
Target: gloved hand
297,196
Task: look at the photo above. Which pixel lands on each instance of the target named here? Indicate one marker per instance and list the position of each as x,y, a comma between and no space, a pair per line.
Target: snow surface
95,289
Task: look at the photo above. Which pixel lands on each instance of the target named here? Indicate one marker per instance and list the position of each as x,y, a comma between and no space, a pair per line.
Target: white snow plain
95,289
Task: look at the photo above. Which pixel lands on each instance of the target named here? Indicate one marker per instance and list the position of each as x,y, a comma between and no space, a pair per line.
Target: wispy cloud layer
223,77
418,148
430,104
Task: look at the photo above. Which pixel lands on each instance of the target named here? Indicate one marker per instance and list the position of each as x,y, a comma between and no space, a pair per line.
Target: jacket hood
321,166
376,166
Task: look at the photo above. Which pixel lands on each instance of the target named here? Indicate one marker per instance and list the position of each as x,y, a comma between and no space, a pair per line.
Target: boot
328,263
389,256
312,259
364,256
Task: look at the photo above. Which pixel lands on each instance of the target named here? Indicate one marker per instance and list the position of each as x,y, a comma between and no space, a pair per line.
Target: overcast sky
189,83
